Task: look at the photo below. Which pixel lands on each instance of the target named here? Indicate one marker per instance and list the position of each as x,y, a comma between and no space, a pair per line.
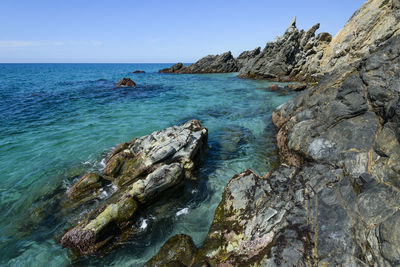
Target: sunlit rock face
293,56
335,199
142,169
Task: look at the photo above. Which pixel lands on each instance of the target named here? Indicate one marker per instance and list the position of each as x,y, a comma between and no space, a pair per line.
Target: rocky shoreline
335,199
294,56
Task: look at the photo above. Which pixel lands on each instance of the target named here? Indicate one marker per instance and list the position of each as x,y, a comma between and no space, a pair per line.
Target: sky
149,31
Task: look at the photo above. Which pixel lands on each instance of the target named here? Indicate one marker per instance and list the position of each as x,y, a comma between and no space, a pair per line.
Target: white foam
103,163
103,194
182,212
195,191
143,225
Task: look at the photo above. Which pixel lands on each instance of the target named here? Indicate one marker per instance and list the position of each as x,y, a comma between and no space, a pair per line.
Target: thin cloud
18,44
27,44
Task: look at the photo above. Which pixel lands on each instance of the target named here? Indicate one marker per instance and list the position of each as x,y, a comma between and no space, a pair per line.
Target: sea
59,121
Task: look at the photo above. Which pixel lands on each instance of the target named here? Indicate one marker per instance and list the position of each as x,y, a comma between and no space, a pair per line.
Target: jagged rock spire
293,23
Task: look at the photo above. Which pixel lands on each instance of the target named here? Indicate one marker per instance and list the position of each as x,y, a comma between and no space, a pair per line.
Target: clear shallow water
57,121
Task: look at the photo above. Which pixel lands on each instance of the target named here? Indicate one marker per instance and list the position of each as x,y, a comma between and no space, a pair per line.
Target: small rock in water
139,71
126,82
274,87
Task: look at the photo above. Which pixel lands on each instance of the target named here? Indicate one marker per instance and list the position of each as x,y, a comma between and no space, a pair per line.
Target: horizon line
94,62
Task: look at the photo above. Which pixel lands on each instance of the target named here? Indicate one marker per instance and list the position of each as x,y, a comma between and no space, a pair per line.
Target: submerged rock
177,251
210,64
87,185
274,87
142,170
126,82
231,140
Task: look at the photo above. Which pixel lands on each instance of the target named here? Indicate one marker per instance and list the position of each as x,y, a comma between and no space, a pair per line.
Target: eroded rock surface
292,56
371,25
210,64
335,199
142,170
315,215
246,56
344,120
302,55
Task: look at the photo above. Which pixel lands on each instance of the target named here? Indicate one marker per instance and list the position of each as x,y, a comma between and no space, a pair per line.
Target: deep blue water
58,121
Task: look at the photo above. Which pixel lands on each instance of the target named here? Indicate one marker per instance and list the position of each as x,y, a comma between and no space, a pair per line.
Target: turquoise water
58,121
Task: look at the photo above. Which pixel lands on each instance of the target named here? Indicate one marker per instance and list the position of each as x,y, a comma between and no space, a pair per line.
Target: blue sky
152,31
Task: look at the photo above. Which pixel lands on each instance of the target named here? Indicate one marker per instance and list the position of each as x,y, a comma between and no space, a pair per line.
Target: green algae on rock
86,185
177,251
142,170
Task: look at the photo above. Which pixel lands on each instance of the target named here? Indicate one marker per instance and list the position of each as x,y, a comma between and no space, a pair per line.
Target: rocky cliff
335,199
303,55
300,55
371,25
245,57
293,56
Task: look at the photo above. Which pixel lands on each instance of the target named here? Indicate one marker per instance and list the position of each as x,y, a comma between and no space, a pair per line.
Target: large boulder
210,64
141,170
